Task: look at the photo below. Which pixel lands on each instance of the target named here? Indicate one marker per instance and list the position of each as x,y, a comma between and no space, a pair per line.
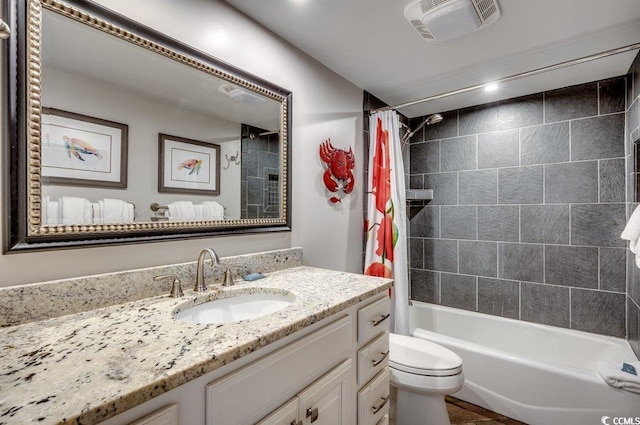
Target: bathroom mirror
118,134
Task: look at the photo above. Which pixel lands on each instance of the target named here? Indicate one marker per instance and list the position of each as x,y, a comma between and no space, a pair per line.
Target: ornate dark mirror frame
21,133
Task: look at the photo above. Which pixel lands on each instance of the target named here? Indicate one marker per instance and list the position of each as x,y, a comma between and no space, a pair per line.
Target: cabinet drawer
384,420
374,400
372,358
166,416
285,415
373,320
276,378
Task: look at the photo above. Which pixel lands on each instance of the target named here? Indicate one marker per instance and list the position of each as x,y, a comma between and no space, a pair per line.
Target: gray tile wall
259,160
529,203
632,134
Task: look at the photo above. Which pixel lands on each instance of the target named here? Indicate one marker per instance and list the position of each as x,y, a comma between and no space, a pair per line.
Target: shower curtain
386,250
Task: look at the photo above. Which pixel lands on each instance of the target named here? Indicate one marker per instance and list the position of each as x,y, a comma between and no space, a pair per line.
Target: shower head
433,119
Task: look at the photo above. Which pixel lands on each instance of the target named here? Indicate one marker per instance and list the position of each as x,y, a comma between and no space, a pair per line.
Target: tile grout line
570,312
477,283
577,161
598,96
520,300
598,180
519,223
544,264
599,266
570,232
544,183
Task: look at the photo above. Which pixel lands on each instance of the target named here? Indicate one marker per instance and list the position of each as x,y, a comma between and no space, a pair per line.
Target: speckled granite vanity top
89,366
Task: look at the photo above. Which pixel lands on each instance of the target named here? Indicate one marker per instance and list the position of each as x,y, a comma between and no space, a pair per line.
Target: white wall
146,118
324,105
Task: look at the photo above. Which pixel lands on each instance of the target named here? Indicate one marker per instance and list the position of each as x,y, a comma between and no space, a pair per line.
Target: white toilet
422,373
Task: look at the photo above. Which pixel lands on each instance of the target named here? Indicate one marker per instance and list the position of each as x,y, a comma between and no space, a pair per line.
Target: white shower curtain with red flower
386,251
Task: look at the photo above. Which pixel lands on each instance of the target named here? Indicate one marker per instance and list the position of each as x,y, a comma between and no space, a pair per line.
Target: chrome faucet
200,285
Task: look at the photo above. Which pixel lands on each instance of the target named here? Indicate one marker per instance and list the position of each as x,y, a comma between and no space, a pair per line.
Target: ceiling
66,44
370,43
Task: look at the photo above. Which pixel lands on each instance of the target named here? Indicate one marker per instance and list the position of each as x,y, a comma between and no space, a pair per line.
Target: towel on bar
621,375
199,211
181,211
212,211
112,211
631,233
75,210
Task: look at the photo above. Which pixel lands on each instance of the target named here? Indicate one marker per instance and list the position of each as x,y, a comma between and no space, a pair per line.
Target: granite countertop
87,367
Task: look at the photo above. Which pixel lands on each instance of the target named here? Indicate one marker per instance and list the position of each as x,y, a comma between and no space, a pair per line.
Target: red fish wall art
338,177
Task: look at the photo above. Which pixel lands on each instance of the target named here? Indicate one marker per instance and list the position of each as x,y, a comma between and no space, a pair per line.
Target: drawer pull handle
377,362
313,414
382,319
376,409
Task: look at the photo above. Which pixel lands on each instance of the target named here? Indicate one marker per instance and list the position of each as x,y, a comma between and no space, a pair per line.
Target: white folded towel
614,375
199,211
212,211
113,211
631,233
75,210
49,212
97,212
53,215
181,211
129,212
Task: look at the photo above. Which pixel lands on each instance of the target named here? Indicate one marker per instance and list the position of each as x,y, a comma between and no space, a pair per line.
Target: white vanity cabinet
246,396
323,403
333,372
373,358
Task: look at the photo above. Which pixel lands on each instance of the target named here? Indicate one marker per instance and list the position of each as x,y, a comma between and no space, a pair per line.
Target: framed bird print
79,150
188,166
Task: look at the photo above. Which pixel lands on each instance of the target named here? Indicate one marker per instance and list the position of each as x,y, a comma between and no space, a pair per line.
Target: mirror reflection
129,135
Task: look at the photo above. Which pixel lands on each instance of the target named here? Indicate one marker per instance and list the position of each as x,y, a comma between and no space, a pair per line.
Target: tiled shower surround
632,135
260,173
529,203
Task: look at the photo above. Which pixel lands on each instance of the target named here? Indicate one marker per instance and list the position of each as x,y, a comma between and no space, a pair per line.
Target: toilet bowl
421,374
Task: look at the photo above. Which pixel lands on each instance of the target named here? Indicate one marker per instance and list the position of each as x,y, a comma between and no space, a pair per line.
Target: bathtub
540,375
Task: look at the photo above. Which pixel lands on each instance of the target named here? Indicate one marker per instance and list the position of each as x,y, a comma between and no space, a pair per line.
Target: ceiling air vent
441,20
241,95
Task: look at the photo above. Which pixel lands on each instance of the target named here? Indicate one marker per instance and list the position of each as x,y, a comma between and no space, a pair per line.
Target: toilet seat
421,357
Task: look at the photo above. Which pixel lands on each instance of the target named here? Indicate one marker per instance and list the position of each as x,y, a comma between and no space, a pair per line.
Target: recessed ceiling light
218,38
491,87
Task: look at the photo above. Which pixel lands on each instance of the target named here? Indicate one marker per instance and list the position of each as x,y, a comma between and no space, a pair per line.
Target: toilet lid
422,357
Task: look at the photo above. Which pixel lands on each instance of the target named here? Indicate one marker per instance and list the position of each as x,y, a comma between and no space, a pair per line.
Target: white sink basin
236,308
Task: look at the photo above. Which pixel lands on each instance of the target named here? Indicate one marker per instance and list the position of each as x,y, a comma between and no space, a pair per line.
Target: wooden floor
463,413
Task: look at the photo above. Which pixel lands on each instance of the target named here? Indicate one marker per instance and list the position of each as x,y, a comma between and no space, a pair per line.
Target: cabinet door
325,401
285,415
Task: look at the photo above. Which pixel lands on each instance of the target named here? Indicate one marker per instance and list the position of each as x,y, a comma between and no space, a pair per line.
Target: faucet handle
228,276
176,288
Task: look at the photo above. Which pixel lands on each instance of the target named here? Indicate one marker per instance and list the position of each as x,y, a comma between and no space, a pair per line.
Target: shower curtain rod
537,71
